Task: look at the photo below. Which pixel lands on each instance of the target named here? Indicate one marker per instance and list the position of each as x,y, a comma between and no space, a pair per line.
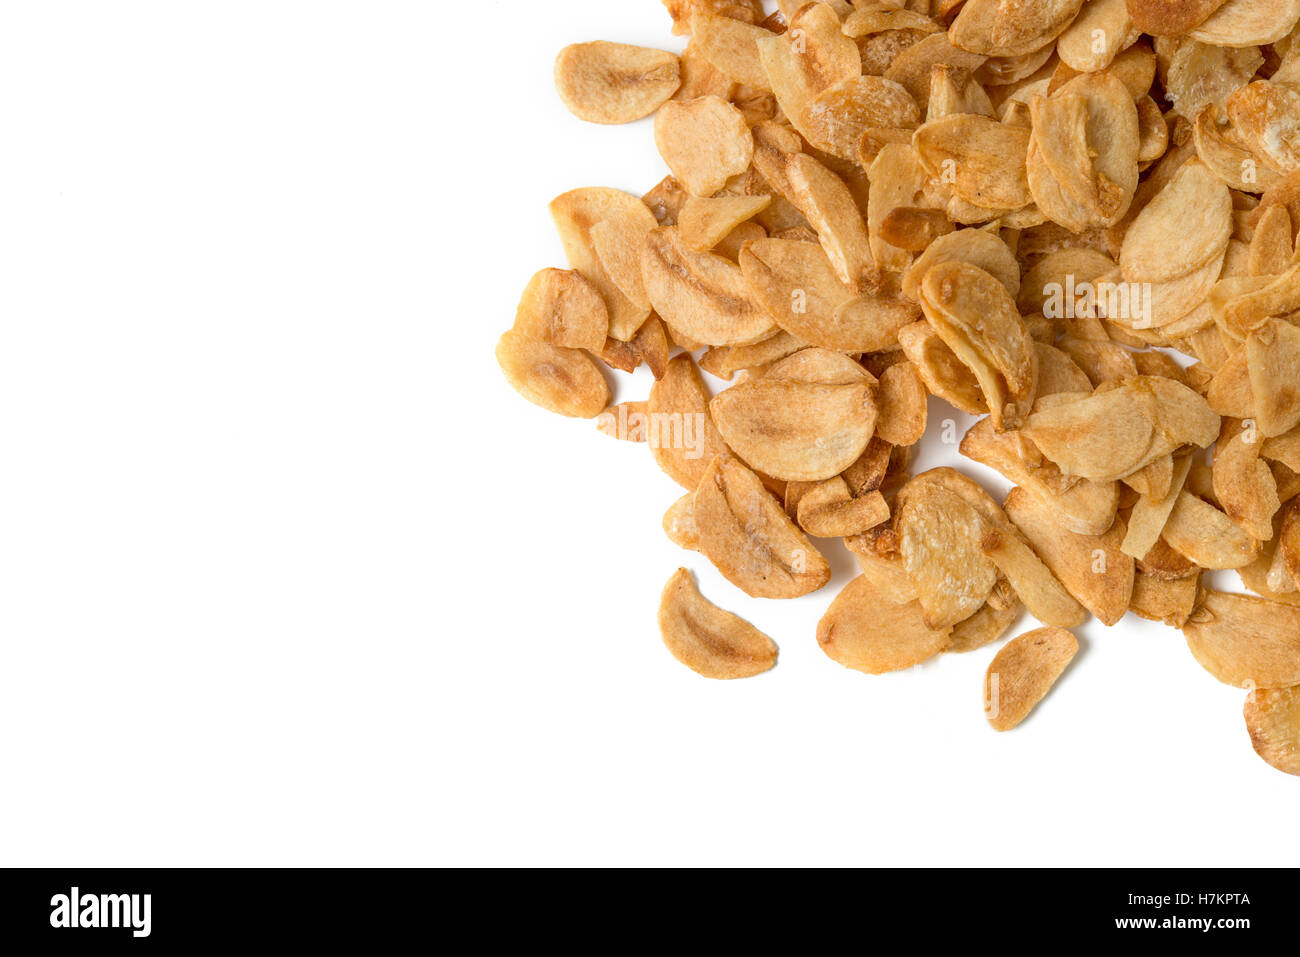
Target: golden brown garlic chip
1245,485
681,433
731,45
1023,672
793,430
1011,27
1204,534
708,640
1248,22
1273,720
575,214
1044,596
832,212
700,294
1081,505
1242,638
984,159
984,627
561,307
835,120
827,510
1093,568
614,83
864,630
1097,34
704,141
703,223
1169,601
977,319
901,402
560,380
750,539
939,538
1273,363
1170,17
1187,223
1151,513
940,369
799,288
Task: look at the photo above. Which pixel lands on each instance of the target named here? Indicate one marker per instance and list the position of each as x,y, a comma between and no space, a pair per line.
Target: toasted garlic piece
1243,638
560,380
1273,720
863,630
750,539
1044,596
711,642
1023,672
614,83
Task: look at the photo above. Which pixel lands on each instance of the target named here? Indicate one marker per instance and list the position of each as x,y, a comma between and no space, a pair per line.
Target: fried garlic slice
1122,427
1244,484
1023,672
902,405
1170,17
1150,514
1095,36
562,307
731,45
912,67
679,523
1168,601
1185,225
831,210
1248,23
575,213
1202,533
835,120
1088,138
611,83
984,627
1243,638
1082,505
711,642
942,372
939,539
682,436
699,294
1273,720
977,319
866,631
704,141
1091,567
560,380
1044,596
897,180
797,430
1011,27
799,288
985,159
703,223
1273,364
618,241
978,247
750,539
828,510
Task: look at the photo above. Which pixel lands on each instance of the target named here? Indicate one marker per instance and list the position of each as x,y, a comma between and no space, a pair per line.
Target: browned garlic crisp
1075,219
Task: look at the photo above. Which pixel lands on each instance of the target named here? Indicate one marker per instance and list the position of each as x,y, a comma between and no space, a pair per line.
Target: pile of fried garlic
1074,218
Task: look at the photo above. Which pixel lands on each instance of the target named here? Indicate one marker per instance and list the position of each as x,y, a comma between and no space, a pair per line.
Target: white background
288,575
